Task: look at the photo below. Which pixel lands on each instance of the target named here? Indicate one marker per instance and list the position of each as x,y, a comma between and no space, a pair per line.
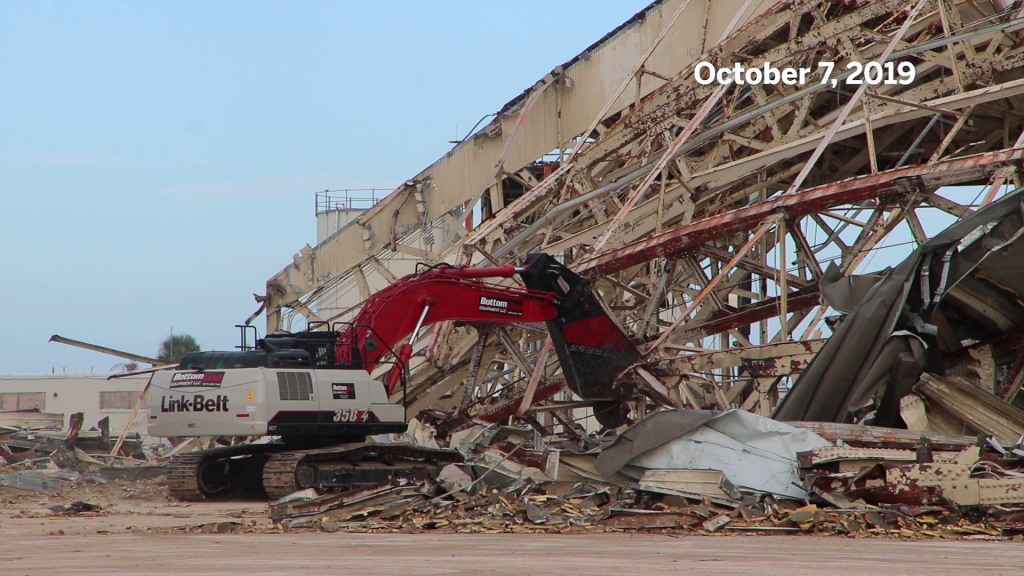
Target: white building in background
91,394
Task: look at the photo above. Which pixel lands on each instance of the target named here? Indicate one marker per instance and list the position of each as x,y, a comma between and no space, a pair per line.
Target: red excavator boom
592,349
441,293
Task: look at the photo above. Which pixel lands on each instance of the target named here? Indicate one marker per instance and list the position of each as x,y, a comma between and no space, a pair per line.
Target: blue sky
158,162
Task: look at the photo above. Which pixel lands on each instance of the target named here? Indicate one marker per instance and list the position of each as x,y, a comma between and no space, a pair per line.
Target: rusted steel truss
660,202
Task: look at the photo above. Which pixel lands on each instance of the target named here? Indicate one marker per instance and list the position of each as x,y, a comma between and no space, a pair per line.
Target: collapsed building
932,344
705,215
728,229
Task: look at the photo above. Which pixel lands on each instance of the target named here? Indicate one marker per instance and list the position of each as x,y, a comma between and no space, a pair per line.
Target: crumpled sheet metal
848,368
755,453
648,434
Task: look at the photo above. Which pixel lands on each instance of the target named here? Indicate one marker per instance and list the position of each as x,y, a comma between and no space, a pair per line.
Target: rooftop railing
353,199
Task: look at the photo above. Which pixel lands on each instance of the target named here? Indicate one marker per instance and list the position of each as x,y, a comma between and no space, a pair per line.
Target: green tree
175,346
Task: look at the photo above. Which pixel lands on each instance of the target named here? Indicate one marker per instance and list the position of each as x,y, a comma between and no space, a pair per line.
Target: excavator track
224,473
332,468
183,476
220,473
279,474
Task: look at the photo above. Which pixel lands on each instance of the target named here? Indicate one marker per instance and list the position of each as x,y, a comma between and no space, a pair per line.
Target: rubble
682,254
37,459
952,403
964,480
77,448
927,355
932,344
33,482
853,480
28,420
849,480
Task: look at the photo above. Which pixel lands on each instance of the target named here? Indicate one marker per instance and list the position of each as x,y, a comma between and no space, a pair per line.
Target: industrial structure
706,214
96,396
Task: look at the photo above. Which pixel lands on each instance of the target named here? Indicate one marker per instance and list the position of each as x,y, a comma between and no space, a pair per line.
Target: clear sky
158,161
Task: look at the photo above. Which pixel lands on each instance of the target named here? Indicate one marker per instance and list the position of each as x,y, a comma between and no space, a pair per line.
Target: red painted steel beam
683,239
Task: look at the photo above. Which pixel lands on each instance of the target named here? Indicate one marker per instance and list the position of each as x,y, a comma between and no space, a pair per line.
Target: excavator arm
439,294
591,348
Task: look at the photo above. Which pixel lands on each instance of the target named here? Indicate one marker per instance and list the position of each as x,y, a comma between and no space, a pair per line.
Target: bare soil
140,532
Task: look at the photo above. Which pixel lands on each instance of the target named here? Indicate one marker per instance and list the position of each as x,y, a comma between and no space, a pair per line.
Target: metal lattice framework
706,214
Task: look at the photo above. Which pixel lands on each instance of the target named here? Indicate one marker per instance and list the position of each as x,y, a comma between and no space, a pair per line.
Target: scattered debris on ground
696,471
686,471
32,438
40,464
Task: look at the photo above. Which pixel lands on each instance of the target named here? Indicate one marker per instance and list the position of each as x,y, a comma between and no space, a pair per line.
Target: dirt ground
139,532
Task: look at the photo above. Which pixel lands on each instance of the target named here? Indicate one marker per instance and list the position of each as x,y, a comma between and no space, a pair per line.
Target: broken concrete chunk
717,522
454,475
537,514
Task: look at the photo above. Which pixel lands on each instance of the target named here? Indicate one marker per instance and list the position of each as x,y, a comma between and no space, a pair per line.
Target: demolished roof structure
719,226
706,215
952,308
694,471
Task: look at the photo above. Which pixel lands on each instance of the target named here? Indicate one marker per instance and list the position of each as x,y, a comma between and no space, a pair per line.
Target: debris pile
928,354
412,506
696,471
37,457
918,478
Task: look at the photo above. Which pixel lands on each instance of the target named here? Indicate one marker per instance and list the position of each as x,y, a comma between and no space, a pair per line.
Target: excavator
310,394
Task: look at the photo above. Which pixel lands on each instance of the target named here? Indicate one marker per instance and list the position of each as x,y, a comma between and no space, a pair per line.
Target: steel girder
706,214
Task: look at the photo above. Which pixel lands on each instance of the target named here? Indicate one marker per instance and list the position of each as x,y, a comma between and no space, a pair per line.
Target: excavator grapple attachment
592,349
